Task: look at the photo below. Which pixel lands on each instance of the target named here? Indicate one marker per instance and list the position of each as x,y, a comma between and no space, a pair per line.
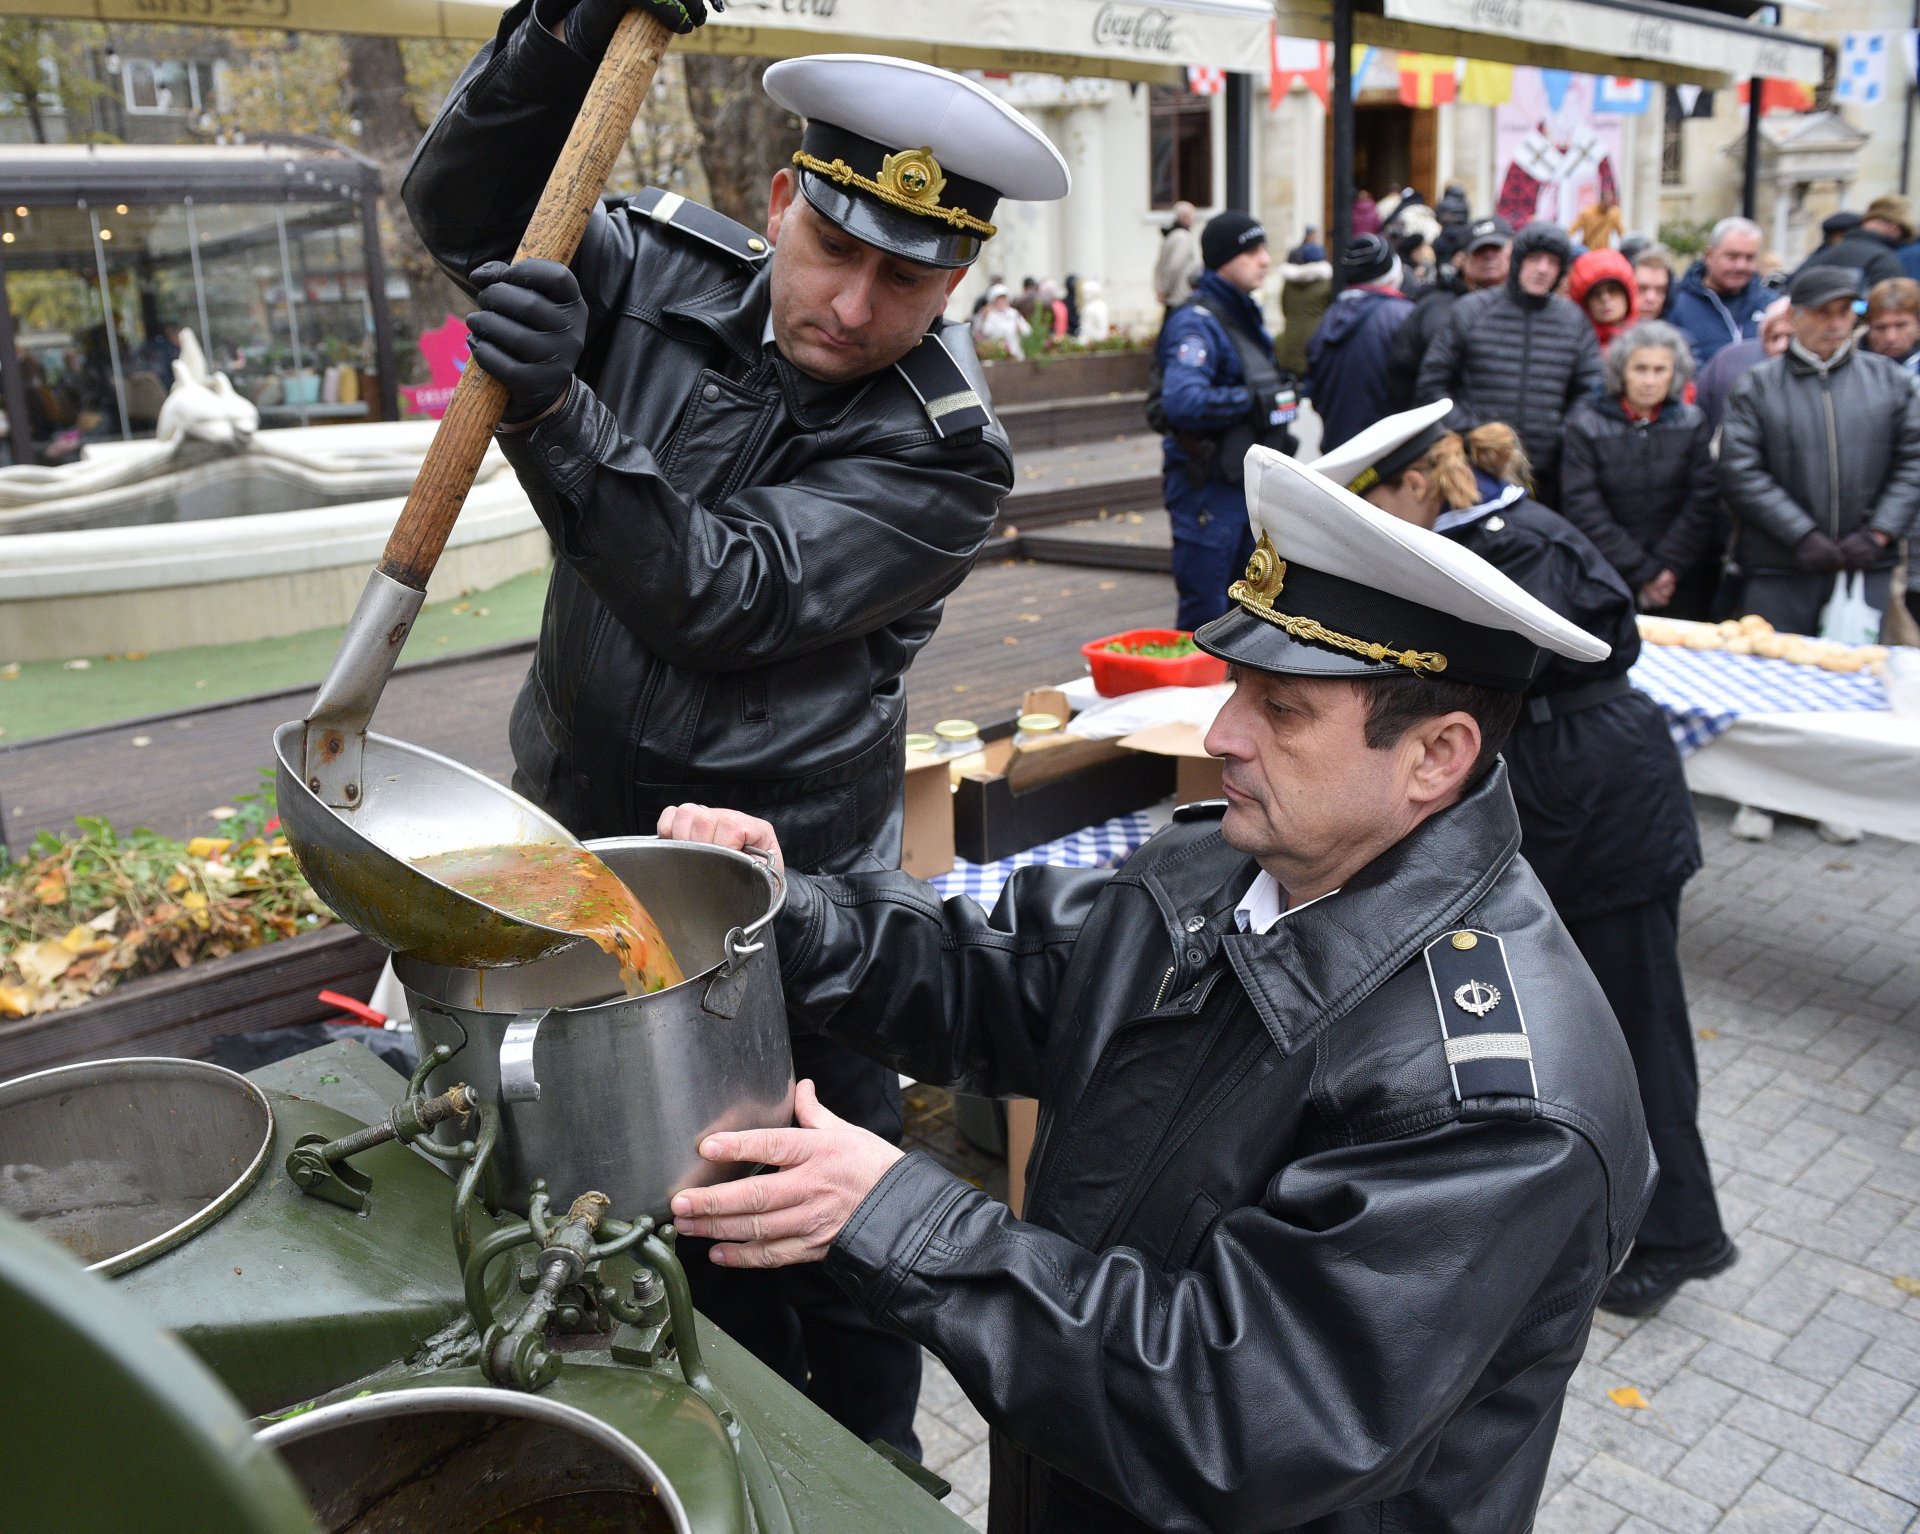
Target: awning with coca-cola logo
1120,39
1647,39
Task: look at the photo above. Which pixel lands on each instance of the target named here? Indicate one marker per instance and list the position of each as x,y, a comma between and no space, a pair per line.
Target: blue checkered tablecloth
1106,845
1702,692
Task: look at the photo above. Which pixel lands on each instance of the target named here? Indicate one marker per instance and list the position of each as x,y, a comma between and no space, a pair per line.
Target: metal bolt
314,784
352,792
1195,923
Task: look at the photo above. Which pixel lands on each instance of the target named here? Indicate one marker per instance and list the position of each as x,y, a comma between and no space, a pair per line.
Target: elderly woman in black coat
1637,475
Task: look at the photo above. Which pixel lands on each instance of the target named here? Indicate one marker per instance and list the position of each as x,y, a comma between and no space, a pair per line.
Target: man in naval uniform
764,462
1338,1140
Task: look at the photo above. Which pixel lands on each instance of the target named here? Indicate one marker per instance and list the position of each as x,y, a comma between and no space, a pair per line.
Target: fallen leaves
1708,1034
80,915
1629,1396
1906,1283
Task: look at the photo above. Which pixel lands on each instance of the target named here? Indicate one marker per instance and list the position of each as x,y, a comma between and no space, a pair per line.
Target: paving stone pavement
1783,1396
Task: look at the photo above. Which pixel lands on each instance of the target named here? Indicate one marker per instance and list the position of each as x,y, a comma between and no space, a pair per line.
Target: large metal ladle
358,808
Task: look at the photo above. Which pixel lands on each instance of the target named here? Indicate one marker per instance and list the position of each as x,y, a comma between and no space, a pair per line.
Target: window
168,87
1673,159
1180,146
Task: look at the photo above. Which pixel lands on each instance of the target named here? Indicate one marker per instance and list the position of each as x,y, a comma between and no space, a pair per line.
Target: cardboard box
926,840
1196,775
1020,798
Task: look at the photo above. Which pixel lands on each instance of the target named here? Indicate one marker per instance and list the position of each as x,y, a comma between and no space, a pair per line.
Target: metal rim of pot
429,1400
90,1072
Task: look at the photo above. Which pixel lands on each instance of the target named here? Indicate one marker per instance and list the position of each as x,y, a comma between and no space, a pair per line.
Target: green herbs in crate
1178,649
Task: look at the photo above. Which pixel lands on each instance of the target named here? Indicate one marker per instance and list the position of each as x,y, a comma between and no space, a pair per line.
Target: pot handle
518,1084
743,942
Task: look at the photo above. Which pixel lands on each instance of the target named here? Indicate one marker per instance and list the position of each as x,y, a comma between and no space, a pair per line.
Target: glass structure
270,255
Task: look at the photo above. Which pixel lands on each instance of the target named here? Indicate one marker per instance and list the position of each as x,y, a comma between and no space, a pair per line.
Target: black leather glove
589,23
531,332
1818,554
1861,550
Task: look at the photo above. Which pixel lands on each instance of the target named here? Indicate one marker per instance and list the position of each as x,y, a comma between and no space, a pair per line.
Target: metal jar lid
921,743
1039,724
956,729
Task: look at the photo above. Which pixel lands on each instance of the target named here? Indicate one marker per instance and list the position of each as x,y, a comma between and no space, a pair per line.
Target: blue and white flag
1618,93
1862,77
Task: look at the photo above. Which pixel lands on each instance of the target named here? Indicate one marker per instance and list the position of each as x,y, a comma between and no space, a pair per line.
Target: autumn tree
744,136
43,70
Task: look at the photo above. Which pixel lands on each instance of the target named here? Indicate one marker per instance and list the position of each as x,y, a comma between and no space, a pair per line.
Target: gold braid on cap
910,180
1267,572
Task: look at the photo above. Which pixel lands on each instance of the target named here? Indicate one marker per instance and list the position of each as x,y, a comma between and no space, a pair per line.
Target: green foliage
1153,649
1685,236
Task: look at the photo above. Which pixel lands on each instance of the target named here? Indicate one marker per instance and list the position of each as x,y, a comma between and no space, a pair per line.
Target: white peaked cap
905,104
1371,448
1338,587
1325,526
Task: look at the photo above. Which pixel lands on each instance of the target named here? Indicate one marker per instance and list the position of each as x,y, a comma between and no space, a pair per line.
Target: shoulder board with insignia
1481,1024
705,225
1200,809
945,392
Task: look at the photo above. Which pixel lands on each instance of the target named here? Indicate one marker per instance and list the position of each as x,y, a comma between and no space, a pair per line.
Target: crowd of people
1055,312
1685,419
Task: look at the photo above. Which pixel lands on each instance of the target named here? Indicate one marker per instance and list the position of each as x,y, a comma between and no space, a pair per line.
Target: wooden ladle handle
553,233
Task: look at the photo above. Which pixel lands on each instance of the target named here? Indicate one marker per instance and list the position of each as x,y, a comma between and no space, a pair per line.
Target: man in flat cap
764,461
1820,458
1338,1140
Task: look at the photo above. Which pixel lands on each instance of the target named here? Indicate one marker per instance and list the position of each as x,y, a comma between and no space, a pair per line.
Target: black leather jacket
749,559
1274,1273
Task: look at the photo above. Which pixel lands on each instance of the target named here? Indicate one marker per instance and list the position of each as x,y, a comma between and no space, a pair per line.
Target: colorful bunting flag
1622,95
1362,60
1556,83
1426,79
1684,101
1298,61
1486,83
1862,78
1779,96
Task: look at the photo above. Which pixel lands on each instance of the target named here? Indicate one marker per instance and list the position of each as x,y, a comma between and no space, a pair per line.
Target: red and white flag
1206,80
1297,59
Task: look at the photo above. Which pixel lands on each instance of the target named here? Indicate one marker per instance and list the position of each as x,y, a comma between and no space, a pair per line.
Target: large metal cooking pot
600,1090
119,1160
472,1461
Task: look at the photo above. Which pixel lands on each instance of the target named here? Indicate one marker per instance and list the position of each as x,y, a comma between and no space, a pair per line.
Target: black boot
1648,1278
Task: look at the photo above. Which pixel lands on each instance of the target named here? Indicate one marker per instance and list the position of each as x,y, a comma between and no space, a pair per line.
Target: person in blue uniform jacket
1221,392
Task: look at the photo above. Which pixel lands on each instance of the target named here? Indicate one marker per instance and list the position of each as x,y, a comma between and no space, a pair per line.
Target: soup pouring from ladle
360,810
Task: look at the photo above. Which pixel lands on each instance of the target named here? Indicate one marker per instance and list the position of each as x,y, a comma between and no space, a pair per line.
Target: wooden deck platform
1013,624
1128,540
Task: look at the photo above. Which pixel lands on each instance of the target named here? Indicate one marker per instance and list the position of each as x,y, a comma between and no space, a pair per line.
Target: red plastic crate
1115,672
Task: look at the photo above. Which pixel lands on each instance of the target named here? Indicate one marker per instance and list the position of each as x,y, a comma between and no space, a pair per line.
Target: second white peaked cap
911,157
1379,446
1338,587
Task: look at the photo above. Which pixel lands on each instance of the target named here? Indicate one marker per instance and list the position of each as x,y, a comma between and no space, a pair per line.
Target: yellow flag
1486,83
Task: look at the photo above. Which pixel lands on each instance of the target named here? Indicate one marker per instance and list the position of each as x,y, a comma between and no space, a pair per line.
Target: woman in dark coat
1605,817
1637,477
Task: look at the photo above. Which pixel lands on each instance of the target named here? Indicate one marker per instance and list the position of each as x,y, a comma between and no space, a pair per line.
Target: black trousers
798,1321
1635,956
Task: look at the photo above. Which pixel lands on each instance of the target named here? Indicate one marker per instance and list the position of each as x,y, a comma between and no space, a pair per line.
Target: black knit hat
1230,234
1367,258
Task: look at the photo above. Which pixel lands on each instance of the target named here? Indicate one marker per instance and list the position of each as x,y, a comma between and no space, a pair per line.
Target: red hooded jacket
1595,267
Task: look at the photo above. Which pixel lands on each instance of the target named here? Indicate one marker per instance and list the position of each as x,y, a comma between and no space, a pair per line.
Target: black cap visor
907,235
1240,639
